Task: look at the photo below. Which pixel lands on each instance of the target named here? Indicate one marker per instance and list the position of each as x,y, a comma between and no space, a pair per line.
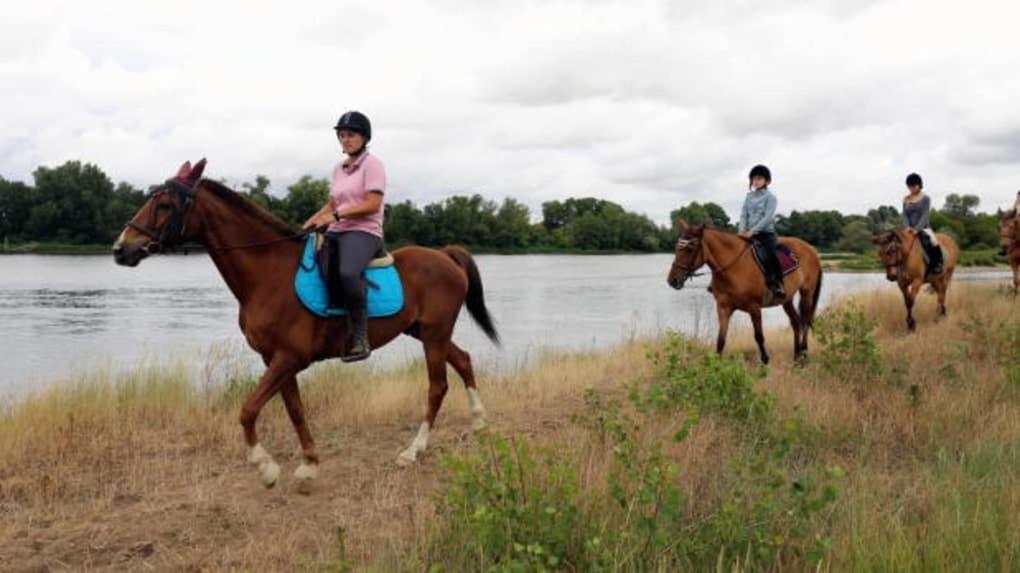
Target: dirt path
212,514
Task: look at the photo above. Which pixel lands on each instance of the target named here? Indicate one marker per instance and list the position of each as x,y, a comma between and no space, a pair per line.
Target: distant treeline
78,204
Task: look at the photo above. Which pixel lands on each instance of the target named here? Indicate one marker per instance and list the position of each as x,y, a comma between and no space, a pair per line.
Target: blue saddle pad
382,287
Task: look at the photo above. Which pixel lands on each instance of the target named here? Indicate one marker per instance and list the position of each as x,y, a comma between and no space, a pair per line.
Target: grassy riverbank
887,452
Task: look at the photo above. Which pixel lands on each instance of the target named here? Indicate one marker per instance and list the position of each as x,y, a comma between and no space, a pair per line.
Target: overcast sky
649,104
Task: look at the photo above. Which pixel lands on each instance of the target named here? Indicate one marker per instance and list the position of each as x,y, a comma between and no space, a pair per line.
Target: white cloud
650,104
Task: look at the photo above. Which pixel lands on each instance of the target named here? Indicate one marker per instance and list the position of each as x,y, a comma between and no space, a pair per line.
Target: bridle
689,272
171,235
901,258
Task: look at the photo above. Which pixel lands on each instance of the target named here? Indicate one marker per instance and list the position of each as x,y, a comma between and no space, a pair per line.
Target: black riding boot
935,262
775,283
773,272
358,348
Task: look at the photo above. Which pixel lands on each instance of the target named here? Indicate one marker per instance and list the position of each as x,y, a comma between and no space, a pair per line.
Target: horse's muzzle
676,282
129,255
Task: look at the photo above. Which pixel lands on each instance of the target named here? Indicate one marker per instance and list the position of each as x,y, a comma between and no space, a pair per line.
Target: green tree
823,229
15,206
697,213
407,225
304,197
124,203
883,218
960,206
512,227
856,237
70,205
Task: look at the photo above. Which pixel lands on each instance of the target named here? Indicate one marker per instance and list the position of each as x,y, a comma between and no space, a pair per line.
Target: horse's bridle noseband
167,238
688,271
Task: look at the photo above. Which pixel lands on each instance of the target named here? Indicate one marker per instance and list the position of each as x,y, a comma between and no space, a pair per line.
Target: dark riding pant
352,252
773,272
933,250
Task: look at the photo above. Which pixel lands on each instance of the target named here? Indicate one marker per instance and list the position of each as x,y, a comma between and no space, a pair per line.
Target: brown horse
257,255
900,252
1009,240
738,283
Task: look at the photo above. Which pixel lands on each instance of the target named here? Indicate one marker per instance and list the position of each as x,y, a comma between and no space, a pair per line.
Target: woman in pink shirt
354,214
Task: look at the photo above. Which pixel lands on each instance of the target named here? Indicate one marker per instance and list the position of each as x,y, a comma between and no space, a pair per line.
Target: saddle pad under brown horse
788,261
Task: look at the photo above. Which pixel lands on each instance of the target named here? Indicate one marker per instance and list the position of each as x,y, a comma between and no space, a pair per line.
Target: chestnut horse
738,283
1009,240
900,252
257,255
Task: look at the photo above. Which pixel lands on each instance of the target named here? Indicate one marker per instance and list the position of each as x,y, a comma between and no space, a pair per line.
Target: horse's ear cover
183,172
196,171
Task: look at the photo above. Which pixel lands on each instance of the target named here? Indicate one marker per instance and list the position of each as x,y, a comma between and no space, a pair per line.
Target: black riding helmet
357,122
760,171
914,180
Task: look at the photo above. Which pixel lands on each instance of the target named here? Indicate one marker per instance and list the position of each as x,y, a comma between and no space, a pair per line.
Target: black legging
352,252
773,274
933,250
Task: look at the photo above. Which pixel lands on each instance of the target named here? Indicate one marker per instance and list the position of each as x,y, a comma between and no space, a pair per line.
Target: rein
297,235
689,272
167,238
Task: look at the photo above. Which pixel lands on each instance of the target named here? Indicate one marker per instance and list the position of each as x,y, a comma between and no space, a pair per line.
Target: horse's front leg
759,334
279,371
724,313
909,296
309,469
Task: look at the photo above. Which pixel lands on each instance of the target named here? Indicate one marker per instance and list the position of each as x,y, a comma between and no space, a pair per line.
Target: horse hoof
479,424
305,474
269,473
407,457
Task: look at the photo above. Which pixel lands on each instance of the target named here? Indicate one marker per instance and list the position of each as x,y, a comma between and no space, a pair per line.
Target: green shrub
701,382
506,510
848,349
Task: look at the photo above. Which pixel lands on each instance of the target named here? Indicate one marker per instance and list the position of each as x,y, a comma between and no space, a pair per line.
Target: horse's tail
807,313
817,295
475,299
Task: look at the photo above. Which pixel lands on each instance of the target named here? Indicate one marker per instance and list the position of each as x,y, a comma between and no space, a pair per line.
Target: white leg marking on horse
307,472
421,441
269,471
477,410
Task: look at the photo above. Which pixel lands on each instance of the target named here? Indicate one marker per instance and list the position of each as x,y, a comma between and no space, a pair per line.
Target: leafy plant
848,349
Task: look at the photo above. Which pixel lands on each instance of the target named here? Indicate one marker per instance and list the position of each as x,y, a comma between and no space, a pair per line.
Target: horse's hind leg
461,362
309,469
759,334
436,349
795,323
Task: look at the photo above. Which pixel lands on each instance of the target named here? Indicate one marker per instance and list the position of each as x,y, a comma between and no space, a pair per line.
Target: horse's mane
245,205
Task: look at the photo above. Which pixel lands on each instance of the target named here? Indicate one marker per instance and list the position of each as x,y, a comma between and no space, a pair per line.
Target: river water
61,316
